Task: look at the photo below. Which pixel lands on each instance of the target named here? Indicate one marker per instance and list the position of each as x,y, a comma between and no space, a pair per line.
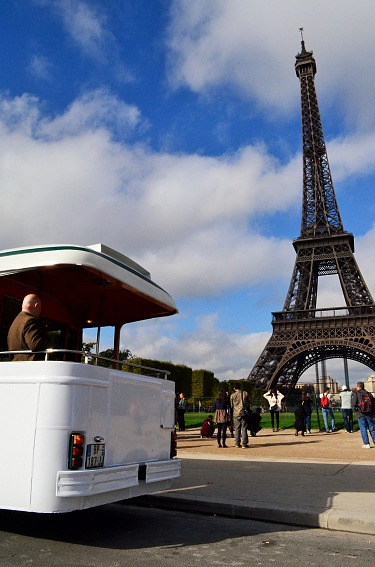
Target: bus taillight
75,457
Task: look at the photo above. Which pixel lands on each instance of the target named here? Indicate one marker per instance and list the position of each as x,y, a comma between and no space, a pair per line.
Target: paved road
123,535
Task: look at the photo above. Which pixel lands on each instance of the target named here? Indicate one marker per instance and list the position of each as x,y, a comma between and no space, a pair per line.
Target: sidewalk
320,480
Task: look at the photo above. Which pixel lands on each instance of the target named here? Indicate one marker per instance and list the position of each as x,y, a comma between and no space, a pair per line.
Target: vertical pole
324,372
97,349
317,393
346,372
116,344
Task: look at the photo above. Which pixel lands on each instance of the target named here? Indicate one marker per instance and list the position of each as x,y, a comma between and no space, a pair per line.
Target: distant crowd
232,414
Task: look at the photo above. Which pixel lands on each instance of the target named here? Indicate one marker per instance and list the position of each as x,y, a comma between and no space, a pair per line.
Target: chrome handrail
88,355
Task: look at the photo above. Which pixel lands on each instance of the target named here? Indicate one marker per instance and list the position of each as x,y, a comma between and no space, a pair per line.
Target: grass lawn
286,420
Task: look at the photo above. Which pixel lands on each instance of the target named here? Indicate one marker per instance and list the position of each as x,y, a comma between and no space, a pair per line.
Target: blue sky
170,131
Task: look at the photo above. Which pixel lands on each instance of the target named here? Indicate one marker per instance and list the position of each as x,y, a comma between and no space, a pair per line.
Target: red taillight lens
75,463
77,451
173,445
76,443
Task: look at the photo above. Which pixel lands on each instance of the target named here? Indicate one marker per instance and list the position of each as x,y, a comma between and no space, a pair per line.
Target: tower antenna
302,40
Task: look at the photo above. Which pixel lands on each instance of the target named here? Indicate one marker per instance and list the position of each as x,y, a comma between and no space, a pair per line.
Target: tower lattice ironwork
303,335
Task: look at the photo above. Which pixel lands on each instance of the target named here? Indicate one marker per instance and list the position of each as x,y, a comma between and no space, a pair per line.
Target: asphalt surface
319,480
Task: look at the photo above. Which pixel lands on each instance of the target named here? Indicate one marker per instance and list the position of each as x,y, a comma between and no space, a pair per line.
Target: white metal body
43,402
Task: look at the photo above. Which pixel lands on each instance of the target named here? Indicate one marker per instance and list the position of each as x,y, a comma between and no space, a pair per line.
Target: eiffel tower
302,335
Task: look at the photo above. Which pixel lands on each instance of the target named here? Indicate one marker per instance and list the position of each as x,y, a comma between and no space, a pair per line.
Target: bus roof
93,285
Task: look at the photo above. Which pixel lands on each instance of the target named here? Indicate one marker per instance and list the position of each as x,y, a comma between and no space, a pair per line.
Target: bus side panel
167,407
18,410
134,421
141,418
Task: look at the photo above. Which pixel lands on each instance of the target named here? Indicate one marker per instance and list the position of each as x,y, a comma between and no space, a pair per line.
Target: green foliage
286,420
109,353
199,386
122,355
179,373
246,385
204,384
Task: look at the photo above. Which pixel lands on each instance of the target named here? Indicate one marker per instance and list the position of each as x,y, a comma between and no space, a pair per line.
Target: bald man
26,332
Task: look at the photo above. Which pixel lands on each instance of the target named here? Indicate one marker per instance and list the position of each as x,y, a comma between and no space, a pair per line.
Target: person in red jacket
208,428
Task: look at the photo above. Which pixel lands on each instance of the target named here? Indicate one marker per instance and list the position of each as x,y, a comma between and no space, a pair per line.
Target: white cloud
20,115
84,23
87,28
250,47
353,155
185,217
365,258
40,67
189,213
193,221
92,111
209,261
229,356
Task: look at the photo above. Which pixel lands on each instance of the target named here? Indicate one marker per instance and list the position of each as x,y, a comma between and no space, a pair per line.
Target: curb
335,520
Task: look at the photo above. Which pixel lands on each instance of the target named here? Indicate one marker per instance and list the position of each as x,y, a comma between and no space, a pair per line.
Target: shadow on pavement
121,527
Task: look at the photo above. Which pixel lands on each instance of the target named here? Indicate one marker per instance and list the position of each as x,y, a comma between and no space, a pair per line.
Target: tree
122,355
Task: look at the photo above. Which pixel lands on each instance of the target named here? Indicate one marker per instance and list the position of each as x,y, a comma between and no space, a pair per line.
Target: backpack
324,401
365,403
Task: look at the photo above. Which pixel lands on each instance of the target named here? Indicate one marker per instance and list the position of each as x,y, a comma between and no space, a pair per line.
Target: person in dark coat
27,332
230,416
255,419
307,410
181,410
221,408
299,422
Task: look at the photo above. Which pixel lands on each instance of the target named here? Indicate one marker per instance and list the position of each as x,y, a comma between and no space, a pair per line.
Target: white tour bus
80,430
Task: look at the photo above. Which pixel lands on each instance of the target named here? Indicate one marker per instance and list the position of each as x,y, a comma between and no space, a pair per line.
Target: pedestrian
181,410
255,419
208,428
240,401
325,404
274,398
299,422
27,333
363,405
346,408
306,404
230,416
220,408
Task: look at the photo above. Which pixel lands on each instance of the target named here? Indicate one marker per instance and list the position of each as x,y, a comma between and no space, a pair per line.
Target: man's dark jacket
27,333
